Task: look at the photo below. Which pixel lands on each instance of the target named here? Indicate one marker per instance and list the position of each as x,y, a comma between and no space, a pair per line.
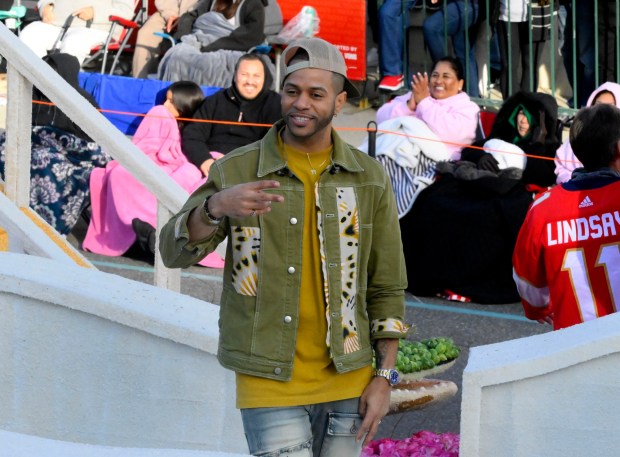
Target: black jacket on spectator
200,138
543,142
45,114
460,234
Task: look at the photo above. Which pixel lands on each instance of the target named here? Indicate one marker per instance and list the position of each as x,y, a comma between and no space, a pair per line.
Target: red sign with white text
340,23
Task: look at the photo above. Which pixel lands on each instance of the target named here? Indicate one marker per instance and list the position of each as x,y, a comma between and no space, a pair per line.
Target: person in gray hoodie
88,20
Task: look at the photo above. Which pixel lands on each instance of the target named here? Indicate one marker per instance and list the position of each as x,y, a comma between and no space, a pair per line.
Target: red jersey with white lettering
567,257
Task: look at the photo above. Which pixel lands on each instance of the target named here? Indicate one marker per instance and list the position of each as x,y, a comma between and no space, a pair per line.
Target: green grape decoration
416,361
422,355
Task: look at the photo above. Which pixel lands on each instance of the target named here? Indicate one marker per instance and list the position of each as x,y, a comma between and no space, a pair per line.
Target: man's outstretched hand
243,200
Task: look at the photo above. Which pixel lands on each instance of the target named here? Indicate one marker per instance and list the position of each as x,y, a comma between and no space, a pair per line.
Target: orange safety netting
359,129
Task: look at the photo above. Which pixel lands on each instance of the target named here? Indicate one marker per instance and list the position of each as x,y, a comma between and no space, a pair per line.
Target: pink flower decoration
421,444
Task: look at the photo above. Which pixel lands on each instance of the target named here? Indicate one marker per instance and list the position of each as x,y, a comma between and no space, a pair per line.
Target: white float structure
93,358
550,395
20,445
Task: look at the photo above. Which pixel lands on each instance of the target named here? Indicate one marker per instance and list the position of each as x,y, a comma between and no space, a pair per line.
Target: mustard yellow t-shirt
314,378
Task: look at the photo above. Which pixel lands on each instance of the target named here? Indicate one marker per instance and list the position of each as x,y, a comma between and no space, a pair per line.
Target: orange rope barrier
358,129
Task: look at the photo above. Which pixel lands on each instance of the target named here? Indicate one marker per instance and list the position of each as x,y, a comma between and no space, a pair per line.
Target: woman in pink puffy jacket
439,101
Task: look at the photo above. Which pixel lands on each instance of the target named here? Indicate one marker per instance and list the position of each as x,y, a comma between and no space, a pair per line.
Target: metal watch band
390,374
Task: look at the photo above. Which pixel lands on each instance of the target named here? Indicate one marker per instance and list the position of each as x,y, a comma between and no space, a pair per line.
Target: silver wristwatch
391,375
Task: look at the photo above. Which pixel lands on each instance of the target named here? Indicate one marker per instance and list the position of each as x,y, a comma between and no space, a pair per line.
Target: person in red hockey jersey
566,262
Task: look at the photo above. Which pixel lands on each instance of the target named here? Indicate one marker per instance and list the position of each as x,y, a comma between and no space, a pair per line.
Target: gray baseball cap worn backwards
322,55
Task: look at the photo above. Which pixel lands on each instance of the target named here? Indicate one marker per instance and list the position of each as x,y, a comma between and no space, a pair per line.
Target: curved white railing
29,234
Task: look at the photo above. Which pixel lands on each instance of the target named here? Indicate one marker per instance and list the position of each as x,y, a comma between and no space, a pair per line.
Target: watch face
394,377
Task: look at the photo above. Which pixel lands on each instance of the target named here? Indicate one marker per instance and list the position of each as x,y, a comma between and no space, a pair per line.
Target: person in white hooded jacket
89,26
565,159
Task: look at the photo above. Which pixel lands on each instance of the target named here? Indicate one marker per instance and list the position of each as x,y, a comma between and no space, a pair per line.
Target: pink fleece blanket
117,197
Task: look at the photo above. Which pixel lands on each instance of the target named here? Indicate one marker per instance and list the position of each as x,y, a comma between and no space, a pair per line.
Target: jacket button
291,270
288,319
277,370
293,220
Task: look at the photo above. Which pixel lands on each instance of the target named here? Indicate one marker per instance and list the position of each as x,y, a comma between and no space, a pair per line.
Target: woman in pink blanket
120,205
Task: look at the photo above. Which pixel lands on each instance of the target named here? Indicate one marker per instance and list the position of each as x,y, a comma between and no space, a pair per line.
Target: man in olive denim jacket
314,275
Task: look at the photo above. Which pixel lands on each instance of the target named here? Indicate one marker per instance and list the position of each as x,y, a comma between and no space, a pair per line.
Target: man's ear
341,99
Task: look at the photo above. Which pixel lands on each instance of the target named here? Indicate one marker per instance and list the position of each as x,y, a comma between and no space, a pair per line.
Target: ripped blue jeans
321,430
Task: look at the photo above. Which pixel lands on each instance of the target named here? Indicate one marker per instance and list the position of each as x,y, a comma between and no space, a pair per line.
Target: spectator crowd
523,150
445,167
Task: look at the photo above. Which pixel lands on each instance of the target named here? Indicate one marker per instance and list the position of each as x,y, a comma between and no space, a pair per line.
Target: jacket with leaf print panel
361,254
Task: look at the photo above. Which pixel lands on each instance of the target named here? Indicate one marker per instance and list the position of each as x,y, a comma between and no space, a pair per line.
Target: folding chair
124,43
486,119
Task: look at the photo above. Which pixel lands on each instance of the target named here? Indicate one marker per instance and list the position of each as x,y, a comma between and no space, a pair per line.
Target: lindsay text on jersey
583,228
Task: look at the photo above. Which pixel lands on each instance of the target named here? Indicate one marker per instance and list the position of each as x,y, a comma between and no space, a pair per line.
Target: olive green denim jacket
361,253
